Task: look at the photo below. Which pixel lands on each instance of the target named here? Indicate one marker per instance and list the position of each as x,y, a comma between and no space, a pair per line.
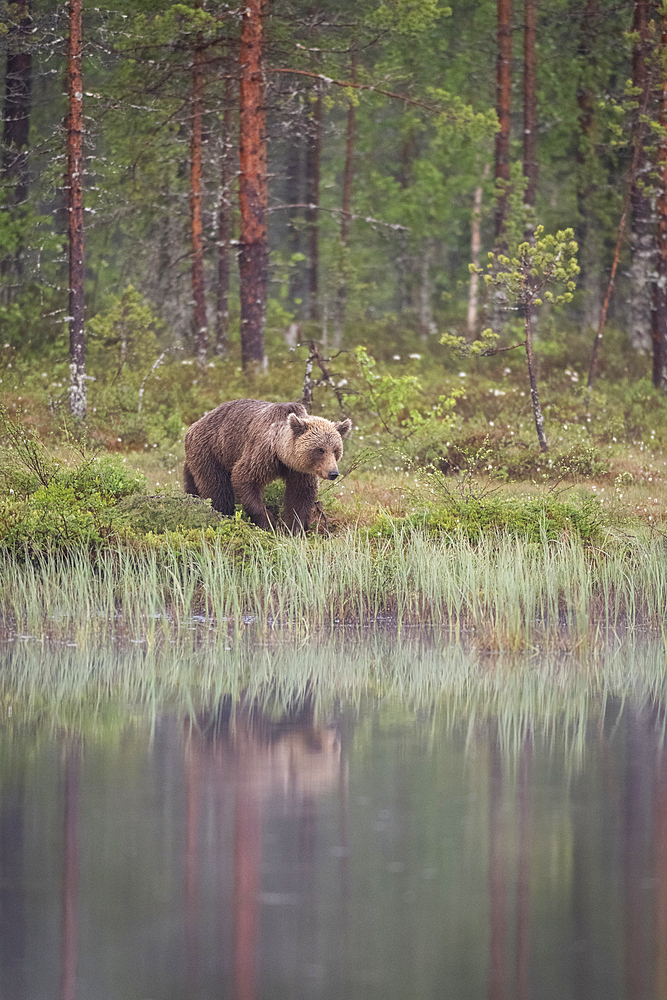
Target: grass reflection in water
418,672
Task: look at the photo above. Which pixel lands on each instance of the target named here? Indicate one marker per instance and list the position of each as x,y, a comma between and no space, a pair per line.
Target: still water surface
364,850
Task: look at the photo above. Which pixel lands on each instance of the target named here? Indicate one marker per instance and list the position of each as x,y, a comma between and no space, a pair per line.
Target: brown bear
232,452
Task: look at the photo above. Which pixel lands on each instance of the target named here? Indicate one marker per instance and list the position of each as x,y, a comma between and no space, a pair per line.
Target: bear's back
240,425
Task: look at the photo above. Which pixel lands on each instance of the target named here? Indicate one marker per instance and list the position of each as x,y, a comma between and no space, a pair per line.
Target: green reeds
502,593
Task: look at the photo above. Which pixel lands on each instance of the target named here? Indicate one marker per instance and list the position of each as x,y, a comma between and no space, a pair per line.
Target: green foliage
50,505
123,340
583,461
398,402
407,17
125,359
233,539
419,159
143,514
76,507
478,516
526,277
524,282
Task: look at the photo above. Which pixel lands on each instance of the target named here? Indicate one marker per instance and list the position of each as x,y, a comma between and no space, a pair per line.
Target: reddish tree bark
199,323
225,224
77,341
253,248
529,106
503,106
659,316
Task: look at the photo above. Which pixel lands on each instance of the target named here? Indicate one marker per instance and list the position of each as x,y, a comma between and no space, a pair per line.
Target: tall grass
501,593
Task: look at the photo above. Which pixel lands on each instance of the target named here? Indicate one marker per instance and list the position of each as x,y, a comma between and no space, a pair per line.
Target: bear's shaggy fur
232,453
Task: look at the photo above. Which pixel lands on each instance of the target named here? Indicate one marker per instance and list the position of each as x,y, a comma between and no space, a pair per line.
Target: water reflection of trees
569,853
71,765
261,757
12,875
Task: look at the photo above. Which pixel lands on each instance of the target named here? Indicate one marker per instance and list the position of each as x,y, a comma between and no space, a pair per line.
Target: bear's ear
299,425
344,427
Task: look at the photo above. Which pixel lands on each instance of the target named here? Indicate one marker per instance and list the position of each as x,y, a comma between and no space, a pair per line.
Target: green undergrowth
532,519
58,518
412,402
53,505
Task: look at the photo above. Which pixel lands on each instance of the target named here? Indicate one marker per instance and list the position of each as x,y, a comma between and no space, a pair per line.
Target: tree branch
433,108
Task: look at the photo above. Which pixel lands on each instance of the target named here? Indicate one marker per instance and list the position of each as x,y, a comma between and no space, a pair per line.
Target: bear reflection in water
251,763
288,755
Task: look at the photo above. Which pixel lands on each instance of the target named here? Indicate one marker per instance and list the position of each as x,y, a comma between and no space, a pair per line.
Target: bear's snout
333,474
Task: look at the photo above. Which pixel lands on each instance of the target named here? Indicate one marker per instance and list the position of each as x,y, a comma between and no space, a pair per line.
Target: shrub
46,504
171,512
536,519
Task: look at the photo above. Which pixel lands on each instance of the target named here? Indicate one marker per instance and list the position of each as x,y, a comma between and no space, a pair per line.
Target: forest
419,748
448,222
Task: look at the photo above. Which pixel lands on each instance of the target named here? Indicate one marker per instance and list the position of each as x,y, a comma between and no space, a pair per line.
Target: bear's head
315,445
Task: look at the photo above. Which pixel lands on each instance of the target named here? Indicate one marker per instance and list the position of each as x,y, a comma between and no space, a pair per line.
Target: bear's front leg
300,497
251,497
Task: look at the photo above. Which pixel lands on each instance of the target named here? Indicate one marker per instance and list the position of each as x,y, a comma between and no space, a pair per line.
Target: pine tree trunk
313,155
225,224
346,208
503,106
659,324
475,247
589,277
199,322
77,341
253,249
529,106
642,221
18,90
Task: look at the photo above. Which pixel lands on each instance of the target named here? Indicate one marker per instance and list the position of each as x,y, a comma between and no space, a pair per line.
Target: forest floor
449,441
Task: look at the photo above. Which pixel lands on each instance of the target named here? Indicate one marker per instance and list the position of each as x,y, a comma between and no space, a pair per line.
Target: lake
366,815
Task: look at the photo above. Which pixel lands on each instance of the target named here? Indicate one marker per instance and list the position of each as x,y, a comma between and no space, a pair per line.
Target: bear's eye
320,451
